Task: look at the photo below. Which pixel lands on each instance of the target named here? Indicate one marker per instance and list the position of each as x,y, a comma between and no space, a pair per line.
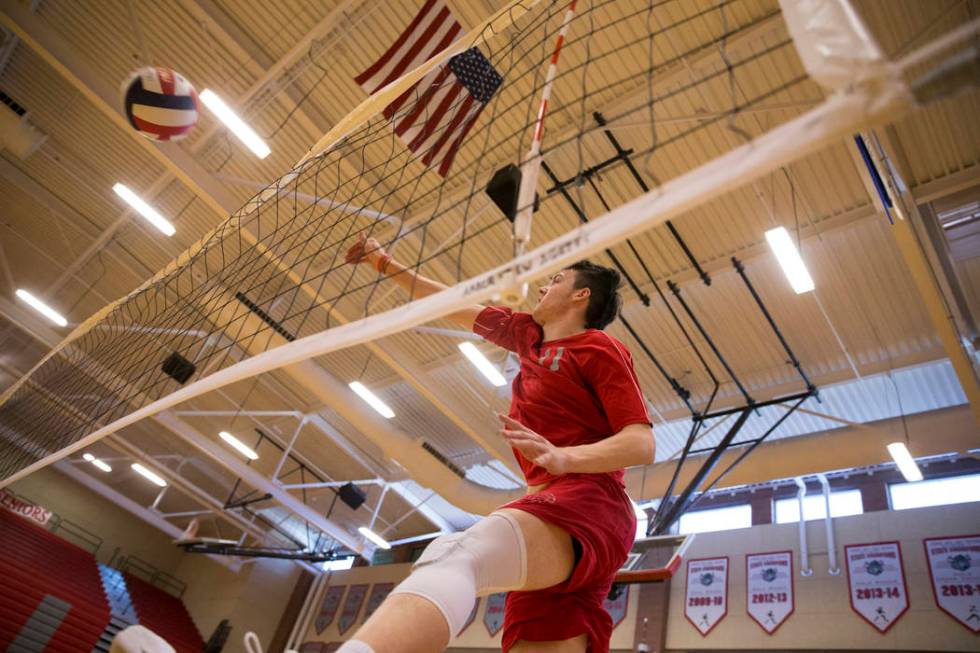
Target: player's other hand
533,446
364,249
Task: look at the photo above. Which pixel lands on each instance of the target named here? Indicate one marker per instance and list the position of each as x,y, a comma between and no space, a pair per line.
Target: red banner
25,509
876,580
471,618
769,598
617,607
493,618
378,594
328,609
954,569
706,600
352,605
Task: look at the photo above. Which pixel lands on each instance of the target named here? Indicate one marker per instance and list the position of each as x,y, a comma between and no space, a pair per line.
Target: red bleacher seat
35,563
164,614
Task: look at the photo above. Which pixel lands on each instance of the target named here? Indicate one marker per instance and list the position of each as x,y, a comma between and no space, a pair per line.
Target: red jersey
574,390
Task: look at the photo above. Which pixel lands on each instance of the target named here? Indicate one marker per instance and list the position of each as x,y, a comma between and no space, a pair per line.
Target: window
715,519
842,504
339,564
935,492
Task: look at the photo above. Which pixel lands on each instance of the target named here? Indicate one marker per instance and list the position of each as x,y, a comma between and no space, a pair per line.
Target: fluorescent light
480,361
237,126
371,399
242,448
789,259
148,475
95,461
906,464
101,465
144,209
42,308
374,537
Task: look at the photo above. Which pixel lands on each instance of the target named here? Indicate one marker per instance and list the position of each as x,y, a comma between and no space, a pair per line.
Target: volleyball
160,103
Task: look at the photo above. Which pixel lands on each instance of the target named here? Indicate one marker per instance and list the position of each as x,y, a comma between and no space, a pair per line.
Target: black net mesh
275,271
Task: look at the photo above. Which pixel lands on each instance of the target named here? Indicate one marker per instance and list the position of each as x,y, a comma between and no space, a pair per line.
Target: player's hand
533,446
364,249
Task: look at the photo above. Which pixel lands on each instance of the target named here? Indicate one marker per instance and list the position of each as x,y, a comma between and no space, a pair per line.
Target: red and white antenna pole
532,162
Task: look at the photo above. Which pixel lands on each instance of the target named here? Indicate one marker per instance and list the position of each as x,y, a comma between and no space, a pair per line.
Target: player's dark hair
604,299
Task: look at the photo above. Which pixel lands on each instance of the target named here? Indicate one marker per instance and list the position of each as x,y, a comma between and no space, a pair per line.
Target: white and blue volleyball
160,104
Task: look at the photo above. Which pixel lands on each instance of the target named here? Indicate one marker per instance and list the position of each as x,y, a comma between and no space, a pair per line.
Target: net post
532,161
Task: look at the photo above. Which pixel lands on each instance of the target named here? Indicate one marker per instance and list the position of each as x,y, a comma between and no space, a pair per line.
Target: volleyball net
411,166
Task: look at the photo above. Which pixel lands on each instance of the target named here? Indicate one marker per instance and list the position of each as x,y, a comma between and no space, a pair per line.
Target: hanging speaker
351,495
178,368
504,188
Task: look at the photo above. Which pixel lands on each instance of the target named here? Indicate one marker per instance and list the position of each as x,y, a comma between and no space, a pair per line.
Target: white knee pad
455,569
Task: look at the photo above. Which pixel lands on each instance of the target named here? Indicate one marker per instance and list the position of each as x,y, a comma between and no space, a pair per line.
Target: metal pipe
685,498
832,567
288,449
625,156
794,361
674,288
805,569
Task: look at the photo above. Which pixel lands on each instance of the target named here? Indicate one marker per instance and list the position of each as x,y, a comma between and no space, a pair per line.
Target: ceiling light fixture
790,260
95,461
480,361
906,463
242,448
237,126
140,206
374,537
148,475
371,399
41,307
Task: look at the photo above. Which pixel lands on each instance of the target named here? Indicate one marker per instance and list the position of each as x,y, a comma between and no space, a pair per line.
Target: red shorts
595,510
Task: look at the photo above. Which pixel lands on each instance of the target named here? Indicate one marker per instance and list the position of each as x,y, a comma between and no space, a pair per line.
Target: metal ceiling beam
145,514
933,433
257,481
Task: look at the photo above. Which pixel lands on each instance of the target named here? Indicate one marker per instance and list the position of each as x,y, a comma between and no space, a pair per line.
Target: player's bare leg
408,623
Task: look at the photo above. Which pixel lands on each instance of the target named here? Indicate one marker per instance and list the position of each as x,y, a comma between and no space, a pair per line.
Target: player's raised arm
369,250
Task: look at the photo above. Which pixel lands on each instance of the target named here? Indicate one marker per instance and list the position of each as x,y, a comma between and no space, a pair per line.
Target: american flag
434,115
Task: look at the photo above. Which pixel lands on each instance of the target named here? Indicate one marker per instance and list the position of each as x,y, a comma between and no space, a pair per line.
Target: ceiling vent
17,134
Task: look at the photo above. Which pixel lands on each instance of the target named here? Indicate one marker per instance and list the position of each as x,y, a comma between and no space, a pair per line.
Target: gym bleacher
53,599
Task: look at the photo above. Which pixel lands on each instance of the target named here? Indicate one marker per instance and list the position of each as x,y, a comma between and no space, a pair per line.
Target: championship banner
352,605
25,509
769,596
876,579
706,601
471,618
617,607
378,594
328,609
493,617
954,567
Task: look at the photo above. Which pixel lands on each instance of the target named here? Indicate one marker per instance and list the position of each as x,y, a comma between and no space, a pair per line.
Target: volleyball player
577,419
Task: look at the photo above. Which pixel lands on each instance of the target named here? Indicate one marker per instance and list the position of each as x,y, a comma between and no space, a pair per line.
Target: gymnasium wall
253,599
823,619
53,490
